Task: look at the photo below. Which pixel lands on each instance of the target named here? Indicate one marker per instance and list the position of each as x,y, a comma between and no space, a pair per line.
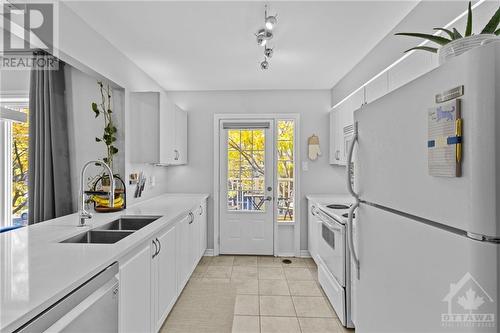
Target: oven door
332,248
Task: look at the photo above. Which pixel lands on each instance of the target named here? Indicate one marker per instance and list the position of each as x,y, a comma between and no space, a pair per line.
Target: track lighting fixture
264,35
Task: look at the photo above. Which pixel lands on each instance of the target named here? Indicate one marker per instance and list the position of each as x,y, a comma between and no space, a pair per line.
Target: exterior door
246,188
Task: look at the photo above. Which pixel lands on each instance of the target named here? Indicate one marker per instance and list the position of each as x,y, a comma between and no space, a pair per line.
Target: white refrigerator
428,247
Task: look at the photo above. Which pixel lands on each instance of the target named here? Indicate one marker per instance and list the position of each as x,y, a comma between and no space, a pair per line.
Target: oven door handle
331,226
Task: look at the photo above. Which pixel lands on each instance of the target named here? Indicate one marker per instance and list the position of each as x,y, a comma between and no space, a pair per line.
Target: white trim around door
218,119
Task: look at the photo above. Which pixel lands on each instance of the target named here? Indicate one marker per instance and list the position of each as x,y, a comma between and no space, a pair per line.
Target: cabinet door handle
191,215
201,210
176,155
337,155
156,249
159,246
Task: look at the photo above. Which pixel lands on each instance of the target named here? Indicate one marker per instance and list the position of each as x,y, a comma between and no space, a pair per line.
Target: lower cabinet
183,253
164,286
152,277
202,218
135,290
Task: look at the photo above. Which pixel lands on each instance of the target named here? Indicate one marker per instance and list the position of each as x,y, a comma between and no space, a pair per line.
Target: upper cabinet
342,127
158,130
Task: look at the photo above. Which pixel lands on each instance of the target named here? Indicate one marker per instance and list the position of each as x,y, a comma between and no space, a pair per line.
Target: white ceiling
187,45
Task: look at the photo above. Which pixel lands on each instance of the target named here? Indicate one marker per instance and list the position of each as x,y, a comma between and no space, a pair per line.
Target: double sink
114,231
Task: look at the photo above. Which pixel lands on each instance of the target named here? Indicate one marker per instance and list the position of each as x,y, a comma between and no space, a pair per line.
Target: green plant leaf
493,23
468,29
95,109
436,39
113,149
423,48
456,34
114,129
105,160
449,32
98,140
497,32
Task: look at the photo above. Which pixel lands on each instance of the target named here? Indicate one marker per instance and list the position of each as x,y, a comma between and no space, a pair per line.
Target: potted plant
455,43
108,138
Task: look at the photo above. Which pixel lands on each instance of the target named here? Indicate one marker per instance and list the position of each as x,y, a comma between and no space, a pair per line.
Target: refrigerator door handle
350,237
349,162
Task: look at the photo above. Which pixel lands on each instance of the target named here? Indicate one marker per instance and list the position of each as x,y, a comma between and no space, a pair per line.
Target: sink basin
98,237
129,223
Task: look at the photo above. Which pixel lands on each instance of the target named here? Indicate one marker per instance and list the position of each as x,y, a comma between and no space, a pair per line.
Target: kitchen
221,179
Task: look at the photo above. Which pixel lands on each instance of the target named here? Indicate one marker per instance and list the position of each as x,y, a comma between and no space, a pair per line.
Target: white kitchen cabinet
194,241
158,130
152,277
164,270
135,292
144,130
377,88
180,137
184,262
341,127
202,217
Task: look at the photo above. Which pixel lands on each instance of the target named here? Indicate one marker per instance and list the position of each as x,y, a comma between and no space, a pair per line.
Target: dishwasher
92,307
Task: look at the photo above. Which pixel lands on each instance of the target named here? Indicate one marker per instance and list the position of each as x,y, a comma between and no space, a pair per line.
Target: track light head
271,22
268,52
264,65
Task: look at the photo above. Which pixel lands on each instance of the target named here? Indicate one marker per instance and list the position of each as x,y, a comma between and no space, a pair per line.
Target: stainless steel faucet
83,214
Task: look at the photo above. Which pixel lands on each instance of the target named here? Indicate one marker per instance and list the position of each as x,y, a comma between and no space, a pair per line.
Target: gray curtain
49,181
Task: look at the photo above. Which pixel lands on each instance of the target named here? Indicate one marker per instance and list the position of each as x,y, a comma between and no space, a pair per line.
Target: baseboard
305,254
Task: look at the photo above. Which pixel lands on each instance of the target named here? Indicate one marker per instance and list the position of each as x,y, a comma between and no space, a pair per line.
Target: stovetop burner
346,215
337,206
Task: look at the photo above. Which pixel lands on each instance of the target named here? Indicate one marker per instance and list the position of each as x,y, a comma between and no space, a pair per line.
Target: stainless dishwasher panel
92,307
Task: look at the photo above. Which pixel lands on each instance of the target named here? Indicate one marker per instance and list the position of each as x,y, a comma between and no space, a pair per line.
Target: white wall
14,82
85,49
197,176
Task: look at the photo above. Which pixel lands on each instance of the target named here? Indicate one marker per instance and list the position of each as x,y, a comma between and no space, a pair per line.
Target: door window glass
286,170
245,170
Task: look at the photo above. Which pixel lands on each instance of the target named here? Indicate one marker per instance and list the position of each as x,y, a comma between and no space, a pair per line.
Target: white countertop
37,270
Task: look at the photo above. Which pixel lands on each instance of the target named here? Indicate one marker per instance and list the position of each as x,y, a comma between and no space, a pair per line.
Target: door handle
176,155
156,249
201,210
269,198
191,215
159,246
350,237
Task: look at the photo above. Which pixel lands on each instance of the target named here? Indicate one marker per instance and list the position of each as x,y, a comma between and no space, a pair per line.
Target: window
245,179
285,170
14,130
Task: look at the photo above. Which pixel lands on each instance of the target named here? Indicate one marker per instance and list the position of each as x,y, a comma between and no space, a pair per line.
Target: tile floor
272,296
